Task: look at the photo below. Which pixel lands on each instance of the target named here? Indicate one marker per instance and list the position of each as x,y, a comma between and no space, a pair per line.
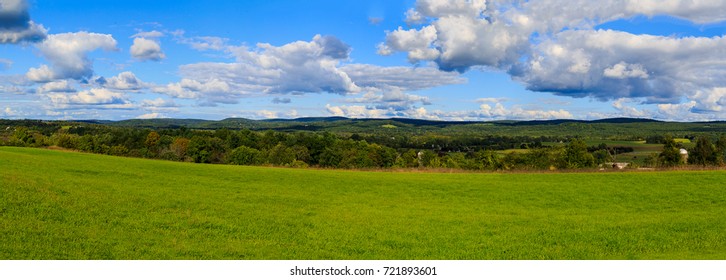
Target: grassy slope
60,205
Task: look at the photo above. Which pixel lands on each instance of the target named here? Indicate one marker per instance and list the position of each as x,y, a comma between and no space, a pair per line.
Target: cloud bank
555,46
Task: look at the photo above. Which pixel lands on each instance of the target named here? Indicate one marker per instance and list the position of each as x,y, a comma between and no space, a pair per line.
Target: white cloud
629,111
303,67
699,11
124,81
151,116
413,17
709,101
68,54
158,103
42,74
208,93
445,8
15,24
56,86
356,111
182,89
485,112
624,65
96,98
518,113
417,43
145,49
677,111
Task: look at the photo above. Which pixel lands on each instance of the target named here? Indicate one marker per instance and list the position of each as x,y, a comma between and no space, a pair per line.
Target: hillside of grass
64,205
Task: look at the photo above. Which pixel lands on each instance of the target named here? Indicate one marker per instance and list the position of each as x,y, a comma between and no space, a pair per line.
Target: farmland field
65,205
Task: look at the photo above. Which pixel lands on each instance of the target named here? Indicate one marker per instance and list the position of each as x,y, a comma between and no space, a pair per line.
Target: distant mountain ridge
313,123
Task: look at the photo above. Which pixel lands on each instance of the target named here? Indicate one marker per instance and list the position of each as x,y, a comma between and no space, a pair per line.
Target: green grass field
64,205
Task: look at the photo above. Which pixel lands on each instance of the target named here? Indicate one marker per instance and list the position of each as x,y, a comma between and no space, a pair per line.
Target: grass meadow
66,205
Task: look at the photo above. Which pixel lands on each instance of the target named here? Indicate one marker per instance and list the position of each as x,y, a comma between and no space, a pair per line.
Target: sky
473,60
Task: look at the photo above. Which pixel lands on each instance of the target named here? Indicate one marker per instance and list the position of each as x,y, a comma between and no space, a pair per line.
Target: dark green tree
670,156
576,155
244,155
703,153
721,150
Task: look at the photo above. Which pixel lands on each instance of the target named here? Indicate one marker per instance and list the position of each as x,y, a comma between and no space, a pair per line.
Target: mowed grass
63,205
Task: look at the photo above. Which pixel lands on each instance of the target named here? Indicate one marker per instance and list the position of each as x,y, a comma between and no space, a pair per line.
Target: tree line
327,150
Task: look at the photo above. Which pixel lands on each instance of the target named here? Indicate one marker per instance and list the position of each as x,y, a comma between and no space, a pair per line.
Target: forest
383,144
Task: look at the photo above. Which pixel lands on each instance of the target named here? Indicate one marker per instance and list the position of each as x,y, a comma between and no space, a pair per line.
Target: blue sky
432,59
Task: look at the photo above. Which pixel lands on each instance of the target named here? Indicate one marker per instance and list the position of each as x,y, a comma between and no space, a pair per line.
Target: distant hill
327,122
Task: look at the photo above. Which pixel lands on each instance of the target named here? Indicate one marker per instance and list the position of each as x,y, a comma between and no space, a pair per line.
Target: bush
244,155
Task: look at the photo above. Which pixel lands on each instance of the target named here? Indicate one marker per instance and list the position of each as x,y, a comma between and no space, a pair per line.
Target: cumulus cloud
185,89
56,86
609,65
146,49
208,93
413,17
96,98
417,43
626,110
15,24
681,111
123,81
305,67
709,101
551,48
68,55
41,74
